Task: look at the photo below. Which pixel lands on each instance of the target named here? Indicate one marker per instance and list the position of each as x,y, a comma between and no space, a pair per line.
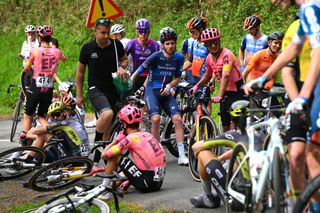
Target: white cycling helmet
118,28
30,29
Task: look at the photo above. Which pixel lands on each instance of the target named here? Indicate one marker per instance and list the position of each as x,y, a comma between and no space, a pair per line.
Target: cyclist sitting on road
252,42
211,171
223,65
45,60
70,135
140,49
164,71
263,59
146,170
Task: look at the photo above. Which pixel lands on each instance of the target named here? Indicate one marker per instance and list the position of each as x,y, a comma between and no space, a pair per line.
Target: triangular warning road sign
102,9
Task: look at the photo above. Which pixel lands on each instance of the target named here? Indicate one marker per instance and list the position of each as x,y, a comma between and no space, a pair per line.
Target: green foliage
69,17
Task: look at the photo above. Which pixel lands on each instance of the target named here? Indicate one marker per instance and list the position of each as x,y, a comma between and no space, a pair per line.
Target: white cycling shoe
183,161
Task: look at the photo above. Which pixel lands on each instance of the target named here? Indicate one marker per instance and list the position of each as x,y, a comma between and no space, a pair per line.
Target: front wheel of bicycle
241,182
64,205
207,129
16,117
278,181
310,191
13,163
60,174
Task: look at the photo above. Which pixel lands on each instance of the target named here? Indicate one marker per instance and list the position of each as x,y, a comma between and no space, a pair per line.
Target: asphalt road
177,188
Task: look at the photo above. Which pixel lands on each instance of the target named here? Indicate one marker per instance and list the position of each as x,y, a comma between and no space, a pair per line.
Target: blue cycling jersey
198,55
309,24
161,69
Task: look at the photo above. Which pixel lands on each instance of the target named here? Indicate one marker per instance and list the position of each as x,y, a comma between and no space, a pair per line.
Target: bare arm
289,82
223,85
79,82
241,56
205,79
186,65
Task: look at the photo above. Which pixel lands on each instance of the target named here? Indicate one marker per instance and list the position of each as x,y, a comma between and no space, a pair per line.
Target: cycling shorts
154,101
141,180
297,130
36,98
226,104
103,100
314,135
138,82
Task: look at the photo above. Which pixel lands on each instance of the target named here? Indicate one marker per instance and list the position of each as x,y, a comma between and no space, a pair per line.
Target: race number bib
43,81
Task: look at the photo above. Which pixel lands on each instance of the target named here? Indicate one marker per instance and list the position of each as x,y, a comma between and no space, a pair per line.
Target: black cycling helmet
276,36
167,34
198,23
251,21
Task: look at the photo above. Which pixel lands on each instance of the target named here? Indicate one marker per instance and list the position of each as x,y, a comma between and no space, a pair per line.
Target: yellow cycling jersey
304,57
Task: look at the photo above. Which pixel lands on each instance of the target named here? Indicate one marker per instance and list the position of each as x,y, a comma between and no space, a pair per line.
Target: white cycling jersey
25,50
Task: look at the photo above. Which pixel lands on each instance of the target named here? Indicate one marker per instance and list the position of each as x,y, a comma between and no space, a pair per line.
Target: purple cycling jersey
140,54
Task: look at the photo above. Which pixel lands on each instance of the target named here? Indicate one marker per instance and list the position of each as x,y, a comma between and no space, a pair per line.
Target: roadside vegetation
68,19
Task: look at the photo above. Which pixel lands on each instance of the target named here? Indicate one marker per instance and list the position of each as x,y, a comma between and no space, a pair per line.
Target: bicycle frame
258,179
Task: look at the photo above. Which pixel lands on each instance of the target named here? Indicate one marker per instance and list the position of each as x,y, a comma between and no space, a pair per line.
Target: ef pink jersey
147,152
45,61
226,64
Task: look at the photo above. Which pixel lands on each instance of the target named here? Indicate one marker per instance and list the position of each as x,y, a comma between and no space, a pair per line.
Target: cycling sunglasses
211,42
143,31
193,31
56,114
103,21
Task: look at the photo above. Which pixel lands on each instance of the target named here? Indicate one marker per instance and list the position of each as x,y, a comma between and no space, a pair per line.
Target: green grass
124,206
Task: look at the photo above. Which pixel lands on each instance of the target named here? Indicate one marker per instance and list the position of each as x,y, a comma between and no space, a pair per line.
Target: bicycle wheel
241,182
15,119
278,181
12,164
60,174
207,129
64,205
310,191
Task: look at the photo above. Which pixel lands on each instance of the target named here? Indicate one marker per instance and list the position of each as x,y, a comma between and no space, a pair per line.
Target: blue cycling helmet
143,24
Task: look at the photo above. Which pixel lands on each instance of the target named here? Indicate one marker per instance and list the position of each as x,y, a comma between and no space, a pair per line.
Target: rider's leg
103,124
177,122
155,126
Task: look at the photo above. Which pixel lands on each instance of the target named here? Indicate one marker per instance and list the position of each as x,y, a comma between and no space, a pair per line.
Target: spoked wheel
13,162
207,129
238,181
16,117
60,174
64,205
278,181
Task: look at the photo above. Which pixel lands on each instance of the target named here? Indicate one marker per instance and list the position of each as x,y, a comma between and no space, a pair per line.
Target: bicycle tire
61,203
15,119
242,183
18,169
51,177
207,122
304,199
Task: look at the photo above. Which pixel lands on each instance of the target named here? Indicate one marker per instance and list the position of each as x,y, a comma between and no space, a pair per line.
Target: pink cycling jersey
45,61
147,152
226,64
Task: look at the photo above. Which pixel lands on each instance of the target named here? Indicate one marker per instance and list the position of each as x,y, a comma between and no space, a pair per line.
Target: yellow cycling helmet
56,106
238,107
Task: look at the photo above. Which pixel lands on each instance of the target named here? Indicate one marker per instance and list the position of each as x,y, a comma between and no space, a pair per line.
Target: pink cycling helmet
210,34
45,30
130,114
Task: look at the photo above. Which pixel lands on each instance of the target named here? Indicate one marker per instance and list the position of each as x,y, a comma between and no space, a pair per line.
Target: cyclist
53,41
119,31
45,60
164,71
103,56
71,137
186,51
145,169
211,170
252,42
223,65
309,30
198,53
140,49
263,59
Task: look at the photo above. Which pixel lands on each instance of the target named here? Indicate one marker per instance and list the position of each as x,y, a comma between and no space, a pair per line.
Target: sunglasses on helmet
143,31
104,22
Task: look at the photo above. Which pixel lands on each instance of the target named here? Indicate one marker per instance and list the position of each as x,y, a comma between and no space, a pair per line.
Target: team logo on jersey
135,138
147,52
94,55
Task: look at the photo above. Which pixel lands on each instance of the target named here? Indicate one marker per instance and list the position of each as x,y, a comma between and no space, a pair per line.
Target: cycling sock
180,146
217,174
98,136
206,186
106,182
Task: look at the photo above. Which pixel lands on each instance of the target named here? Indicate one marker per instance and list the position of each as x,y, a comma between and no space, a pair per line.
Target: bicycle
204,129
84,199
311,189
254,176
